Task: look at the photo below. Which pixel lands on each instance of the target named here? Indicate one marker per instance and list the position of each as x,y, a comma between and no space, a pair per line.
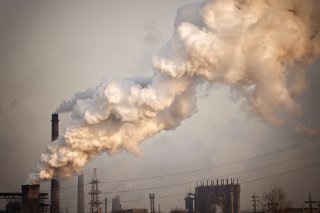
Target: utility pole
255,200
310,203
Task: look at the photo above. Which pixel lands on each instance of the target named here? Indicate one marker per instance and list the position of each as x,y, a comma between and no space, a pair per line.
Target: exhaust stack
80,208
55,185
54,127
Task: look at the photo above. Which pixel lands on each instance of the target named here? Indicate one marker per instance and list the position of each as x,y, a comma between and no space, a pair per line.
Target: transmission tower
95,202
310,203
255,200
152,210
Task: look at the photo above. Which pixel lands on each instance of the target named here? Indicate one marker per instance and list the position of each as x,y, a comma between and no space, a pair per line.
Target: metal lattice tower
95,202
151,196
255,200
310,203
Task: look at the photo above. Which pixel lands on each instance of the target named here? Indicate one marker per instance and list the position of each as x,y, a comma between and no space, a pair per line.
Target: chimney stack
80,208
54,127
55,185
105,205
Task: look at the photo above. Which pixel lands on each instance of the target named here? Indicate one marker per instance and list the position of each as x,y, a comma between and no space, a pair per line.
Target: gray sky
49,50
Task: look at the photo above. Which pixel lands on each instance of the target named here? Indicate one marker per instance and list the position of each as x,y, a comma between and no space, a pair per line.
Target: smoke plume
260,48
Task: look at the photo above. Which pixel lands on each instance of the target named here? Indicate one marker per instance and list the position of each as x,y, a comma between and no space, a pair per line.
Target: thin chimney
80,208
55,185
105,205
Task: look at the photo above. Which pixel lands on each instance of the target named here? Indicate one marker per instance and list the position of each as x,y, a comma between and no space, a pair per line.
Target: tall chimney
30,199
105,205
55,185
80,207
54,127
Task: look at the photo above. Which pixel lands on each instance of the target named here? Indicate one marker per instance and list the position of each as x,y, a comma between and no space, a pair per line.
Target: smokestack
269,79
105,205
54,127
30,199
55,185
80,208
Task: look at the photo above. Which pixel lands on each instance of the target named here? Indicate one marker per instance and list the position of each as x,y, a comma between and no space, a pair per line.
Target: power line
243,183
249,181
282,173
211,167
201,169
231,174
142,199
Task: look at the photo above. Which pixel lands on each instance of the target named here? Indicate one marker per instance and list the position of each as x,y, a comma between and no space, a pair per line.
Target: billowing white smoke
259,47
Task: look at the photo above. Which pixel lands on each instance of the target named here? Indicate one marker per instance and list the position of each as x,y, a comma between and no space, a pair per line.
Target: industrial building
189,200
28,201
176,210
215,197
210,197
116,206
134,211
220,196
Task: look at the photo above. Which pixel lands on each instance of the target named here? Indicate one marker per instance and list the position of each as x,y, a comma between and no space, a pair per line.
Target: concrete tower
80,206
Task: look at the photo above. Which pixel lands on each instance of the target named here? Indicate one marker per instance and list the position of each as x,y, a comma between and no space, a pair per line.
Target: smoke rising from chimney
259,48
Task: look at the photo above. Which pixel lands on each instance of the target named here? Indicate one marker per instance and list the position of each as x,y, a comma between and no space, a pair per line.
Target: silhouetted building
223,197
29,201
134,211
177,211
189,203
116,206
293,210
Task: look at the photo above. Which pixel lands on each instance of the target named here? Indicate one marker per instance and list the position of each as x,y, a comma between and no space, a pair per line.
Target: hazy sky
49,50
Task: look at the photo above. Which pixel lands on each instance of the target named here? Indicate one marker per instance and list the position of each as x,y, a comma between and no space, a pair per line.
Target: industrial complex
216,196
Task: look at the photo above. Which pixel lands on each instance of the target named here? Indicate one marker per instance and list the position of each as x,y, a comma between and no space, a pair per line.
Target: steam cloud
261,48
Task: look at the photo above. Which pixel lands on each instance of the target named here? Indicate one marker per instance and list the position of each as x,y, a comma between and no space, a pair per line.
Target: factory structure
219,197
27,201
216,197
207,198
